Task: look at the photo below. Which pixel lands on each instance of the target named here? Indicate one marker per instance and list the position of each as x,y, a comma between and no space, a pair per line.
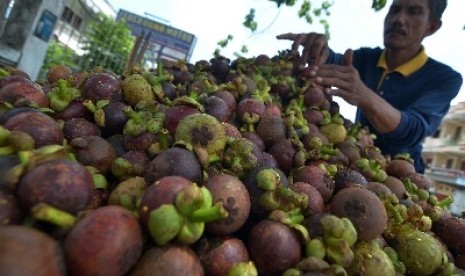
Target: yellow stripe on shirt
405,69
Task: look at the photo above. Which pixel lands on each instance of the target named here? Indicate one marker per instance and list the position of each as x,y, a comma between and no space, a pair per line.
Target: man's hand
315,47
345,82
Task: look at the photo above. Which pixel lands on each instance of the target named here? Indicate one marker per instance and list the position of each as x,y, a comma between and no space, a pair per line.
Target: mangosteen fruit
317,177
106,241
170,259
136,88
174,161
57,72
41,127
346,177
273,247
94,151
216,107
128,193
62,183
10,210
205,134
79,127
176,113
371,260
316,203
232,193
363,208
284,152
218,254
26,250
396,186
24,94
271,129
101,86
400,166
420,252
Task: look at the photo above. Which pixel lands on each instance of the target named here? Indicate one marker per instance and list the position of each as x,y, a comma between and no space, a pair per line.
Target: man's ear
434,26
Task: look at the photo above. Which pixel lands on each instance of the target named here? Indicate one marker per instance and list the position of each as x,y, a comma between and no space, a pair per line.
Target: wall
19,46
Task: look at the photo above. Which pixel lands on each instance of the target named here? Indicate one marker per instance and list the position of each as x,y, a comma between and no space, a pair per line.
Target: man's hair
436,8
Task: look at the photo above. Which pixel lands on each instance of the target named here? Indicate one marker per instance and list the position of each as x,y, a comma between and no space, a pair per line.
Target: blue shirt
421,90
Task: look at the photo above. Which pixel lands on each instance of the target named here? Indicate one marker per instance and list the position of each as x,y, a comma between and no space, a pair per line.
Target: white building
444,154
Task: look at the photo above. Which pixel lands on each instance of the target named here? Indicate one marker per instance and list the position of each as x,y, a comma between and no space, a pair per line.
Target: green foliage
57,54
309,11
378,4
250,22
108,44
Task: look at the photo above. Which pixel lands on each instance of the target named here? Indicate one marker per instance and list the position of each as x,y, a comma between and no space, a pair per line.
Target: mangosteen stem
289,218
4,73
269,201
268,179
100,181
327,149
213,213
298,199
7,150
394,213
4,133
446,202
243,269
21,141
48,213
189,199
62,95
354,130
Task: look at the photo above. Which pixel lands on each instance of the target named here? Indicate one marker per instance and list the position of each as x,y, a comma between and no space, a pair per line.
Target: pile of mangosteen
219,167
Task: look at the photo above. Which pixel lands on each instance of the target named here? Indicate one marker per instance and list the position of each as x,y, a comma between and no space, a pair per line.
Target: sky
353,24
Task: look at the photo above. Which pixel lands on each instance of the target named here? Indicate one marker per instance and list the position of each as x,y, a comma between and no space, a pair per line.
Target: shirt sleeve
424,117
334,58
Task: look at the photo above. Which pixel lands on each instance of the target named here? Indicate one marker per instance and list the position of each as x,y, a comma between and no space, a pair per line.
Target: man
401,94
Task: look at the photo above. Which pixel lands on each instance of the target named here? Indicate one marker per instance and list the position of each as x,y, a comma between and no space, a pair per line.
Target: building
444,154
72,22
26,27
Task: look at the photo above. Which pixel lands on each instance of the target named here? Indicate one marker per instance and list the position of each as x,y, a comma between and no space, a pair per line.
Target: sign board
166,42
45,25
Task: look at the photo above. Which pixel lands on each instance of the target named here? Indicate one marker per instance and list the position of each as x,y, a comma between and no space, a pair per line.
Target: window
449,163
462,166
67,15
71,18
429,162
458,134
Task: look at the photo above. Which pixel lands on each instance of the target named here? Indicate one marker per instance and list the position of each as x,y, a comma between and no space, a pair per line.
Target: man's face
406,24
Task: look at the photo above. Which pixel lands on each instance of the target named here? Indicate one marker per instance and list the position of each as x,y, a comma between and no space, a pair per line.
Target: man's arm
423,117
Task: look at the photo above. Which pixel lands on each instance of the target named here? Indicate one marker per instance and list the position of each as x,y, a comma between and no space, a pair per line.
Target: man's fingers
348,57
289,36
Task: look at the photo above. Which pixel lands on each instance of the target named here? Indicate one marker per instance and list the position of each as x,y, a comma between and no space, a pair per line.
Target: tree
310,10
108,44
306,11
57,54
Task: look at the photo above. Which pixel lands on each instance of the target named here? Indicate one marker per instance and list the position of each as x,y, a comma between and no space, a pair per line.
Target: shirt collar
407,68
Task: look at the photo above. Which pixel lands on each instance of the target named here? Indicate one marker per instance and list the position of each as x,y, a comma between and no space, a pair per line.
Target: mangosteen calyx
142,121
293,219
185,219
62,95
165,223
238,156
372,169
